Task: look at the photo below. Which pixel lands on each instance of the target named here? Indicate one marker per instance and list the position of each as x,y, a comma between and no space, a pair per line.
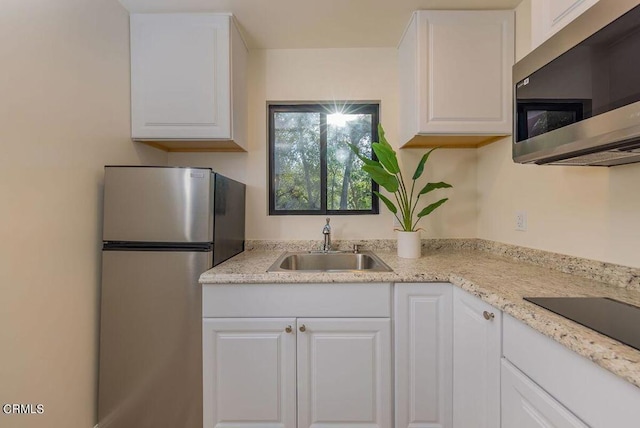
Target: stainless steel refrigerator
163,227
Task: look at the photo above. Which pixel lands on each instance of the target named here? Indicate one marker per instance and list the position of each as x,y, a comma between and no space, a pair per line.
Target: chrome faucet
326,231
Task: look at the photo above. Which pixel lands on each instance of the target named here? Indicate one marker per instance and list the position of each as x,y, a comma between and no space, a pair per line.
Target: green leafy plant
386,172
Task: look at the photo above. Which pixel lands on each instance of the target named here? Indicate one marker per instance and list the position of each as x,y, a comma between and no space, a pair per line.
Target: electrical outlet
521,221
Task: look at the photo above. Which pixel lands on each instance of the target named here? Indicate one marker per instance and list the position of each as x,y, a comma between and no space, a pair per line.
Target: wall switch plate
521,221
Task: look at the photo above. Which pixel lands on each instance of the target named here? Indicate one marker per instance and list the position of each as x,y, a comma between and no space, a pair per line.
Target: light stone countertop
500,281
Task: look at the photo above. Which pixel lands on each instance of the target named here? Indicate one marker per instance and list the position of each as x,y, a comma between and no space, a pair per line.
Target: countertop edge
615,357
557,328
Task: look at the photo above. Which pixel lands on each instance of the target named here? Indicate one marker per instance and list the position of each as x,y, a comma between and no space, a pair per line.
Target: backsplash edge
610,273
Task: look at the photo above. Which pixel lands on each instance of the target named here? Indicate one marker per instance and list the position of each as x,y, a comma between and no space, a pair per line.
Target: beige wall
326,75
64,114
582,211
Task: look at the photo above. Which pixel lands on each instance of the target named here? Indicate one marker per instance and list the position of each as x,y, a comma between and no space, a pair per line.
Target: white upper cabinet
188,82
455,78
550,16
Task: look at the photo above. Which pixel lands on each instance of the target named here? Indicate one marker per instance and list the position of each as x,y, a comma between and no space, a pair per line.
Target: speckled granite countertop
498,280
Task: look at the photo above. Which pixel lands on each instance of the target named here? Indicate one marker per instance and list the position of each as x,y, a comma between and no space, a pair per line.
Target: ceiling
294,24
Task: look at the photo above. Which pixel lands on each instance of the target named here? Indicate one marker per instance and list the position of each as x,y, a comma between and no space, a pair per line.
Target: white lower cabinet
249,372
526,405
423,355
597,397
477,348
320,356
330,370
343,369
344,373
447,358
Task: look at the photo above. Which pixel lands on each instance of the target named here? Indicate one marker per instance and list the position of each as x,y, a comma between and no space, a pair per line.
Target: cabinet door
476,362
344,372
423,355
465,60
249,372
180,76
526,405
550,16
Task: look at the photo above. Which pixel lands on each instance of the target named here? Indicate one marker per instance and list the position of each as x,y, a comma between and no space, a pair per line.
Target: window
311,168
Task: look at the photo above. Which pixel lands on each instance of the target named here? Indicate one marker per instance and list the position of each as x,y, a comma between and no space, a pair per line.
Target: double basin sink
332,261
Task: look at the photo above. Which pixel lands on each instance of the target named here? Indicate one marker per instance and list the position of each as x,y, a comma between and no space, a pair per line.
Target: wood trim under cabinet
451,141
194,145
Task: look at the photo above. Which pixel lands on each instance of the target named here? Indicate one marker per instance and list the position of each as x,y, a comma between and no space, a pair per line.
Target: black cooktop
618,320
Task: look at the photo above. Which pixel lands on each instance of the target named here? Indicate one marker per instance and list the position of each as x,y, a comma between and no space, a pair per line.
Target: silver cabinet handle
288,329
488,315
303,328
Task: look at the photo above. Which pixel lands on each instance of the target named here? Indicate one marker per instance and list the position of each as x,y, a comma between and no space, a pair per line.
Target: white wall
523,29
64,114
581,211
327,75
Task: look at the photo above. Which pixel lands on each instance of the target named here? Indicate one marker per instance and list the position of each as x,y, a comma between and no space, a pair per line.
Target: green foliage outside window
312,169
297,161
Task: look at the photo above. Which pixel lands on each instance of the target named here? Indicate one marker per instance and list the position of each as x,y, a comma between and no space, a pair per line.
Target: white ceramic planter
409,245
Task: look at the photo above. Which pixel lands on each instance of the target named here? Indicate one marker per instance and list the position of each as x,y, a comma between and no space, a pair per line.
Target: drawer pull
488,315
303,328
288,329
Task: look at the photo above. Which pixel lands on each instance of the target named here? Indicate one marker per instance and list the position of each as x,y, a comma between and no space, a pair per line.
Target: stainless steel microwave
577,96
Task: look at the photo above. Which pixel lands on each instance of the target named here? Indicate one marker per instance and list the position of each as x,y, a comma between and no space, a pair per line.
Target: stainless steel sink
363,261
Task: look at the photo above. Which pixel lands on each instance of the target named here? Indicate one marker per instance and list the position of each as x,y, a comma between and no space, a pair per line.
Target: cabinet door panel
180,76
344,372
476,362
465,63
248,373
550,16
526,405
423,355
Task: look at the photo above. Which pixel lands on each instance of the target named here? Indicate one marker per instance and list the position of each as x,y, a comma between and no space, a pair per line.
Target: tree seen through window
312,169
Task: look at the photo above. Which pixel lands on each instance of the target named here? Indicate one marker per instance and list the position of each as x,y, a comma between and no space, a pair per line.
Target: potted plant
386,172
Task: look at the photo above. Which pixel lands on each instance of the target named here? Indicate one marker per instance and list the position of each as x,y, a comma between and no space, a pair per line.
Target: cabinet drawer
525,404
579,384
296,300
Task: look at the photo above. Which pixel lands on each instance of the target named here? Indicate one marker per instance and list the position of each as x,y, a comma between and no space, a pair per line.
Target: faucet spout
326,231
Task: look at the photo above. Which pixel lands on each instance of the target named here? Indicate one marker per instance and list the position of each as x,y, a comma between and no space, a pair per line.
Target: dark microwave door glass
598,75
537,117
